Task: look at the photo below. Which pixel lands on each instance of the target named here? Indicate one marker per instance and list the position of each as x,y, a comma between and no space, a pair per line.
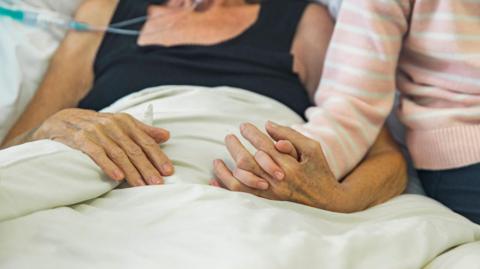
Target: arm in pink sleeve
357,89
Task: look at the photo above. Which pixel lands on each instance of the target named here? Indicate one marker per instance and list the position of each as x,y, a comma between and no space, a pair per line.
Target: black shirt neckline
234,39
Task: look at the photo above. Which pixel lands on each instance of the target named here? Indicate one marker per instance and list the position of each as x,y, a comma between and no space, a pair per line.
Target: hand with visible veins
291,169
123,147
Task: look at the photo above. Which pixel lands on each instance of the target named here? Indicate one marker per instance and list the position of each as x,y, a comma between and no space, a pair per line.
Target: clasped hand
292,168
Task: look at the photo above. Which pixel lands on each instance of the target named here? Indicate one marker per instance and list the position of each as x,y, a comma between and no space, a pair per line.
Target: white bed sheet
50,216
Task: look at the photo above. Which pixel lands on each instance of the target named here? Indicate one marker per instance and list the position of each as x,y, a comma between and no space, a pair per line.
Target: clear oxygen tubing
49,19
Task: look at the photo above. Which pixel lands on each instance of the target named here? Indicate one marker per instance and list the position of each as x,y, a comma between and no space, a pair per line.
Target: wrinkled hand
123,147
302,176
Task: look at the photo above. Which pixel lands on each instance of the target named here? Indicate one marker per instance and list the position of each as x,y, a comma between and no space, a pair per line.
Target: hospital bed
57,210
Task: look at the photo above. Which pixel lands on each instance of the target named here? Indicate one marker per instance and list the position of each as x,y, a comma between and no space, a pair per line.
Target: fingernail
262,185
228,137
156,180
279,175
167,168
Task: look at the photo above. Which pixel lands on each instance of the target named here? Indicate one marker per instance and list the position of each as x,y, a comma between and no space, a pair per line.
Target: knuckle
124,117
81,135
149,143
91,151
81,138
117,153
110,122
289,169
96,152
134,151
89,128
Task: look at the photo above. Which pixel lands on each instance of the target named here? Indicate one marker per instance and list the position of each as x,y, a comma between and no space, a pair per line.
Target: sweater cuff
446,148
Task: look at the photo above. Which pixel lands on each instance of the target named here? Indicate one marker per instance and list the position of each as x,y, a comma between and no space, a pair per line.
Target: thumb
286,147
278,132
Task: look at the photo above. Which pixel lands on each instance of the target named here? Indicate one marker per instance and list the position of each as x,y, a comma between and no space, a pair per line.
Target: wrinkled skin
122,146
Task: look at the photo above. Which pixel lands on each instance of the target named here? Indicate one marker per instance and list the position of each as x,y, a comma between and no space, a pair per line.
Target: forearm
20,139
357,89
381,176
376,180
70,74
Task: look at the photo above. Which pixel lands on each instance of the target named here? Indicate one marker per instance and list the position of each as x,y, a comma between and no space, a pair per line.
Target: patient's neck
204,4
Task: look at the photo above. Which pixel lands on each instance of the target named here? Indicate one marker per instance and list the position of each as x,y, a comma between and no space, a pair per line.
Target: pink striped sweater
430,51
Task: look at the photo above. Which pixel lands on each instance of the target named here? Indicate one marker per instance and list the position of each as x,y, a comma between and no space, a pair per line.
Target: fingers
227,179
264,143
119,157
300,142
137,157
256,137
269,165
246,162
153,152
249,179
147,138
122,146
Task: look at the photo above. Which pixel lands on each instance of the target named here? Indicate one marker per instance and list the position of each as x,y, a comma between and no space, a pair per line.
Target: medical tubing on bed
11,13
43,19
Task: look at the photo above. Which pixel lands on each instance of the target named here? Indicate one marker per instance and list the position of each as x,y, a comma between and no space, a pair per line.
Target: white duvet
57,210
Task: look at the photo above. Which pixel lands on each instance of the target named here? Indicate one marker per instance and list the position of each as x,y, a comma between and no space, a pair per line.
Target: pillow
25,52
66,7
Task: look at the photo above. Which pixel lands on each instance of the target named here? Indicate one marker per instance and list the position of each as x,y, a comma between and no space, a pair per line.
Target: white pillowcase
66,7
25,52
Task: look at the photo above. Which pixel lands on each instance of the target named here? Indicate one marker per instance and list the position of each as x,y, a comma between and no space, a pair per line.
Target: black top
258,60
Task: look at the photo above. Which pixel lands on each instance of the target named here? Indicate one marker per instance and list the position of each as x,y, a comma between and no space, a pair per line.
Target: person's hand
123,147
306,179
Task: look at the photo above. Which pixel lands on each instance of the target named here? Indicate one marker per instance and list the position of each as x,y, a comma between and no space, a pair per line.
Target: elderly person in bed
275,48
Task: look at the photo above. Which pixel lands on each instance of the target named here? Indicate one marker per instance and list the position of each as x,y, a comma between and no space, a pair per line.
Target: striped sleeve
357,89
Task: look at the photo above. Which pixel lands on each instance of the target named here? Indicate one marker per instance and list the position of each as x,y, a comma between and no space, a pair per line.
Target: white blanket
57,209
